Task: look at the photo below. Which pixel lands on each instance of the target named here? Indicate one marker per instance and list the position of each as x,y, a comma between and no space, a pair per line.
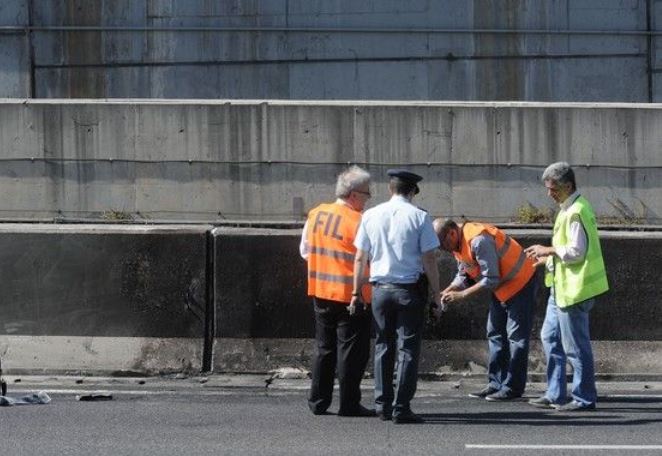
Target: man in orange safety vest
342,337
489,259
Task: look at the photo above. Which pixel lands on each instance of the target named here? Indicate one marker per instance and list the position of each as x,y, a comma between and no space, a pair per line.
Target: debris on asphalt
40,398
94,397
289,373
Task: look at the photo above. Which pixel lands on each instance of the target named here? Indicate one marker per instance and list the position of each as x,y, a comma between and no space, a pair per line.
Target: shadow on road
537,418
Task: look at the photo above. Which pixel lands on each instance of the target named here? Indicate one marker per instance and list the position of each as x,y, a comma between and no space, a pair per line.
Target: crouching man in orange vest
488,259
327,243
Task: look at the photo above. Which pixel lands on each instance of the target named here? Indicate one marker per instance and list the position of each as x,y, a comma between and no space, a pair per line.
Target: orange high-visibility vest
515,269
331,229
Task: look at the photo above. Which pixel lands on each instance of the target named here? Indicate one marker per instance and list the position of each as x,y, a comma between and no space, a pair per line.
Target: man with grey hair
575,272
342,339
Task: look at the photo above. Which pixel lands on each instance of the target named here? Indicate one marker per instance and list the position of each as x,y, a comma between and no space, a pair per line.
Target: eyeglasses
368,194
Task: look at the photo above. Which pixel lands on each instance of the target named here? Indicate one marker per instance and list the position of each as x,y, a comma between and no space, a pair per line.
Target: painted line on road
182,392
563,447
632,396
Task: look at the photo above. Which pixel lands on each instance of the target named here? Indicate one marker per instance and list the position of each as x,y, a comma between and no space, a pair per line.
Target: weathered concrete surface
115,299
102,298
275,160
260,278
102,281
265,319
334,50
449,359
119,356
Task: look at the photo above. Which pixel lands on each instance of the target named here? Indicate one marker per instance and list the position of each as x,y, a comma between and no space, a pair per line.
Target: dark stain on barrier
104,284
261,291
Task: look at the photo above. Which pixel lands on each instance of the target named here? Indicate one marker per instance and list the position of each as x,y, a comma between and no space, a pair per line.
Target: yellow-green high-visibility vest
574,283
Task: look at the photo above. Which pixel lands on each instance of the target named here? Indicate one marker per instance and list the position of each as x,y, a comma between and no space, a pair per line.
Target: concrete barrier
102,298
263,311
154,299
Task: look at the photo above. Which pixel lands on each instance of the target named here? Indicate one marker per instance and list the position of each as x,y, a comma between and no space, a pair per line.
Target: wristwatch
355,293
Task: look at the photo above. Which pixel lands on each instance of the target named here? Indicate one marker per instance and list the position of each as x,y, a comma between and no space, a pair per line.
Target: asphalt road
235,416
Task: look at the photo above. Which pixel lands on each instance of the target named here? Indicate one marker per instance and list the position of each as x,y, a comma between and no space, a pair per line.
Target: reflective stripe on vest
577,282
515,269
331,229
330,277
336,254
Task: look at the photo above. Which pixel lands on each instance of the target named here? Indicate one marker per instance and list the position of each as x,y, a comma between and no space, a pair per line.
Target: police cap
405,176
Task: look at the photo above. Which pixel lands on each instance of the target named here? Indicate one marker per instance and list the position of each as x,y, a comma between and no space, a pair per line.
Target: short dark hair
401,187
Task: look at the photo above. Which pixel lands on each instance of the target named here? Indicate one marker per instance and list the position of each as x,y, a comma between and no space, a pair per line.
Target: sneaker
574,406
484,392
502,395
541,402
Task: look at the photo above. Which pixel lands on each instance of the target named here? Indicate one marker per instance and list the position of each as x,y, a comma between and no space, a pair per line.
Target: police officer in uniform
342,340
398,240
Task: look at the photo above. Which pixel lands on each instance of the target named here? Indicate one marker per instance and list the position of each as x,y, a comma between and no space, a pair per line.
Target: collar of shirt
400,198
569,200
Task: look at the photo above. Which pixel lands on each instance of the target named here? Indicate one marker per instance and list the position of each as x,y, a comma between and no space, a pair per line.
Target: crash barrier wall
265,320
108,298
163,299
218,161
563,50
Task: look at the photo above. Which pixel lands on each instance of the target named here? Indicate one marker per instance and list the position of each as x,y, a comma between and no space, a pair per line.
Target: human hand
452,296
355,302
537,251
438,306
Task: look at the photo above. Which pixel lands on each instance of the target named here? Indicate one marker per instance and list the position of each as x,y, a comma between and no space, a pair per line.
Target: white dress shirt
575,250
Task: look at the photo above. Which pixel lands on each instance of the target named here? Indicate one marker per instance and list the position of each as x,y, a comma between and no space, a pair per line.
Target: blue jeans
398,314
565,336
508,332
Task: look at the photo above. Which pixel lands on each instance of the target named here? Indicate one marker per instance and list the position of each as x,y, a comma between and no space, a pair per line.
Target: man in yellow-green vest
575,272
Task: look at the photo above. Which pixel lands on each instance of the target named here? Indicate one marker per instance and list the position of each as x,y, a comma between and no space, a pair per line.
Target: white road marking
563,447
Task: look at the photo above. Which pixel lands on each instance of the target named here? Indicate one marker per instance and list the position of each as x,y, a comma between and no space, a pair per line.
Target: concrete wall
252,160
136,299
263,312
102,298
359,49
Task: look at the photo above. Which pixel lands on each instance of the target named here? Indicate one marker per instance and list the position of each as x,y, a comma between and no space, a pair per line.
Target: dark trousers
343,341
398,314
508,331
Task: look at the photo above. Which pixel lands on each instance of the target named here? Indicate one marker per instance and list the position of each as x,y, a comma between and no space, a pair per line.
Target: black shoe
574,406
359,411
385,415
318,409
541,402
484,392
502,395
407,418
